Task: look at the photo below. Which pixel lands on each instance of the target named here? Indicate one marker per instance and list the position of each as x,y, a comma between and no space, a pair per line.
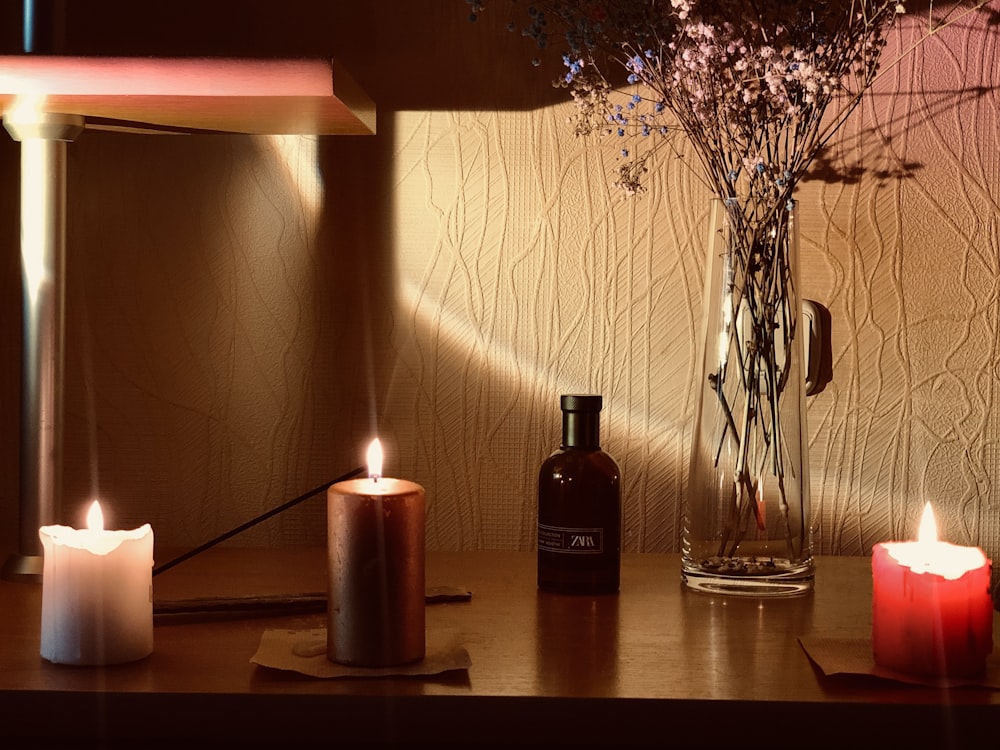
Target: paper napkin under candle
853,656
304,651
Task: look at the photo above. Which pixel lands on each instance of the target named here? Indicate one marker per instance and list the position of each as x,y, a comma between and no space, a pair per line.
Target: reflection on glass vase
746,521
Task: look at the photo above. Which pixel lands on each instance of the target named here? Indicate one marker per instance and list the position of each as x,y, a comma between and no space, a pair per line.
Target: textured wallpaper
244,313
907,261
523,276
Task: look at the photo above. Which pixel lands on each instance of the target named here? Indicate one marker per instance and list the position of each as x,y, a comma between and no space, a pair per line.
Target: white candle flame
928,526
95,517
930,555
375,459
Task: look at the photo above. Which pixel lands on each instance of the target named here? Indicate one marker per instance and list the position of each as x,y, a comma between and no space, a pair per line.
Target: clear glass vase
747,522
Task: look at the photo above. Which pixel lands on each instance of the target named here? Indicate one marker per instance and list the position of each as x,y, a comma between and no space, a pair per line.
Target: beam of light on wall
298,156
442,211
453,332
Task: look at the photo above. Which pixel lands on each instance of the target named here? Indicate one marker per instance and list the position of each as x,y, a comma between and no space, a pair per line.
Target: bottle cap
581,402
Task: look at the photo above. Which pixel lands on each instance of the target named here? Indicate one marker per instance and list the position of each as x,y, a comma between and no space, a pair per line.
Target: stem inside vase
747,506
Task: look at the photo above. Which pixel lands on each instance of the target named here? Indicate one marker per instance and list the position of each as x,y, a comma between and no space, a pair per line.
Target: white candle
97,604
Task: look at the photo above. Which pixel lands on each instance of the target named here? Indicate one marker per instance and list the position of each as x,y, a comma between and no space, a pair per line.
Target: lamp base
23,569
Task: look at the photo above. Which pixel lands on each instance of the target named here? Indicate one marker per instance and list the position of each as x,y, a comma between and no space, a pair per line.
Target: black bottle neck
581,429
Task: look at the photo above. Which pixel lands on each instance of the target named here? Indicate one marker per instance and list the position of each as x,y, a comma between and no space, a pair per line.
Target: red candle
932,614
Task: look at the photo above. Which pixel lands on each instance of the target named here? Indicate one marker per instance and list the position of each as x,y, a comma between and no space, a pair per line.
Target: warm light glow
375,459
930,555
299,156
26,107
95,517
928,526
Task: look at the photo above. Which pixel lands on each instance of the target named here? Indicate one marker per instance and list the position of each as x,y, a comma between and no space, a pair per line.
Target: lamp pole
43,138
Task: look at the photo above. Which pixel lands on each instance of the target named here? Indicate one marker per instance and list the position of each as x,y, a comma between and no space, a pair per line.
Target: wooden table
656,664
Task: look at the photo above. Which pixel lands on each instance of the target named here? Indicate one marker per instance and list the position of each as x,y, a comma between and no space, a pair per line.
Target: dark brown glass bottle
579,507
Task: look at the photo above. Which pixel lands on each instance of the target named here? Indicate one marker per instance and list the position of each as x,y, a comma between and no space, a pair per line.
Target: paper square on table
304,651
854,656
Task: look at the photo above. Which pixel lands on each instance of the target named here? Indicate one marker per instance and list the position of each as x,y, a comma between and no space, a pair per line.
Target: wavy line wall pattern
541,281
245,312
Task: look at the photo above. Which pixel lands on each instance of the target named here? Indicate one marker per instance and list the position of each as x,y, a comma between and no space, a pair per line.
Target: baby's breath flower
737,79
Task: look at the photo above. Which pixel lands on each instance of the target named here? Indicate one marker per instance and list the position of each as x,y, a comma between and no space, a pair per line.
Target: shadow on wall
385,47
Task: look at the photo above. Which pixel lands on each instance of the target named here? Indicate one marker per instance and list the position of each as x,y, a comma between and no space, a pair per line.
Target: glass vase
747,522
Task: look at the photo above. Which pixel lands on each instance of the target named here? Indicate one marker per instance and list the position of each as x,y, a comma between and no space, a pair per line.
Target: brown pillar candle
375,531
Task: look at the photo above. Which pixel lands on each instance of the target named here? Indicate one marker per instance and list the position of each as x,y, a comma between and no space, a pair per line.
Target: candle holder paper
305,652
840,656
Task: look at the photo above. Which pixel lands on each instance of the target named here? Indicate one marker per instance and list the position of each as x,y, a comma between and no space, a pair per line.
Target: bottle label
570,541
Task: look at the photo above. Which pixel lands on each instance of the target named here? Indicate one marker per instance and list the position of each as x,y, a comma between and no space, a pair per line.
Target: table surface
654,663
